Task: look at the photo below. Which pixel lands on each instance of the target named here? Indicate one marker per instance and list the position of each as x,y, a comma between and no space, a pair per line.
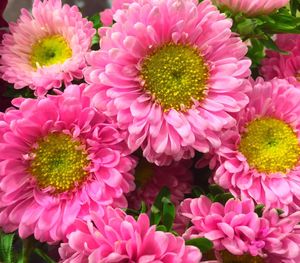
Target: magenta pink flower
252,7
285,66
150,179
259,158
168,79
117,237
107,15
236,228
46,48
59,160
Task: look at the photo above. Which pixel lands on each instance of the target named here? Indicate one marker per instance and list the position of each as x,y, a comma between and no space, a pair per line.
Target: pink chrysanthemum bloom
168,79
107,16
150,179
252,7
117,237
285,66
259,158
47,47
239,234
59,160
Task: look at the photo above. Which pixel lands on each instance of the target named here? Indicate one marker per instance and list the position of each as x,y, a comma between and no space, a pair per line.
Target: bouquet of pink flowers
153,131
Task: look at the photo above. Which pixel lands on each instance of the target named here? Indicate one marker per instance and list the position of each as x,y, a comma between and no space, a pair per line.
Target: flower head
252,7
238,233
259,158
47,47
59,160
169,79
285,66
117,237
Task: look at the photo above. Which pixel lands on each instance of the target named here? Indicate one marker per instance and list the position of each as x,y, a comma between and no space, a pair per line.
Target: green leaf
168,214
259,209
11,92
161,228
202,243
197,191
215,189
270,44
294,6
96,21
157,207
6,247
223,198
163,210
256,52
97,24
143,208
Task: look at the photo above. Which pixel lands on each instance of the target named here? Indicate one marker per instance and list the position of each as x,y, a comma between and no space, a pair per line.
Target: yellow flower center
175,75
143,173
49,51
229,258
59,162
270,145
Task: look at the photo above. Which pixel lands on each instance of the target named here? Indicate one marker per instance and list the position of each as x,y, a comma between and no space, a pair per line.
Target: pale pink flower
252,7
117,237
47,47
236,228
59,160
170,117
285,66
108,14
150,179
259,158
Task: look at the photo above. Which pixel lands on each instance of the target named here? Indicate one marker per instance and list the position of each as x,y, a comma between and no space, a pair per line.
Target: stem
27,250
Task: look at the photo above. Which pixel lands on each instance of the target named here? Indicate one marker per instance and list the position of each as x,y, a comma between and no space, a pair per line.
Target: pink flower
285,66
150,179
107,15
170,108
117,237
46,48
252,7
259,158
59,160
236,228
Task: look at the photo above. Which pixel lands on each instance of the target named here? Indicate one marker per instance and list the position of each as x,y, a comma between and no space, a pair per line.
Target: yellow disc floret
270,145
175,75
49,51
59,162
229,258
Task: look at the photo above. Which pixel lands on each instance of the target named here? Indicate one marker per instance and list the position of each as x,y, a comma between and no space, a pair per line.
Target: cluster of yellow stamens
270,145
175,75
49,51
59,162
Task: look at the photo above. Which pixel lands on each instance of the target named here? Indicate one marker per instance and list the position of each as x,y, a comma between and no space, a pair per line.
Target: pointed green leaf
203,244
6,247
168,214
